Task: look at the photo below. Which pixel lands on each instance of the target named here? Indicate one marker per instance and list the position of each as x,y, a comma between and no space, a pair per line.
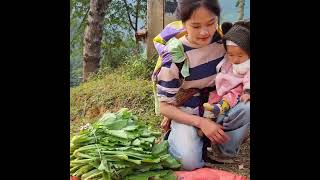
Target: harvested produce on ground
118,146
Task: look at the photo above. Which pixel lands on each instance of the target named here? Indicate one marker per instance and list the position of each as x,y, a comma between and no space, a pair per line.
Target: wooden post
155,23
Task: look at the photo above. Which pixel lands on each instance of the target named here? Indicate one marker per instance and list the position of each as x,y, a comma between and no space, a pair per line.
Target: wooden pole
155,23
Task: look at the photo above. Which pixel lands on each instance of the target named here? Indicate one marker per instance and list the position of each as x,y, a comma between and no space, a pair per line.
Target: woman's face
236,55
201,26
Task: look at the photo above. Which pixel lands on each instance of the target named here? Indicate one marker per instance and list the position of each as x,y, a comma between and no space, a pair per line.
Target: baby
233,80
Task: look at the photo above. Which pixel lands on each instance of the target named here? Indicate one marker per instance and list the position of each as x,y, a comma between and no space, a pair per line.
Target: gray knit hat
239,35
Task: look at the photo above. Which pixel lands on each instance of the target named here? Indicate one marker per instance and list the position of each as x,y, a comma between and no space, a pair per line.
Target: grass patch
109,92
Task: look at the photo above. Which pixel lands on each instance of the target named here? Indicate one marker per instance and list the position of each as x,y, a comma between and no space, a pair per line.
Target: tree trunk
240,5
93,36
155,23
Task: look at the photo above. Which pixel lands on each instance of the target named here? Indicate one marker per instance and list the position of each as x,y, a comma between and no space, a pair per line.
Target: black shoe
206,153
215,154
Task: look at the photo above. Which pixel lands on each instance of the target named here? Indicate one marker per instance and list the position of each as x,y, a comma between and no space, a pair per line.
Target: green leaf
89,173
75,168
134,161
160,149
149,139
125,172
124,113
121,148
170,162
128,153
106,175
108,117
96,174
121,156
148,167
136,142
145,133
118,133
83,161
170,176
82,155
155,133
140,150
111,121
95,163
82,170
155,160
77,139
131,128
112,140
85,148
149,174
104,165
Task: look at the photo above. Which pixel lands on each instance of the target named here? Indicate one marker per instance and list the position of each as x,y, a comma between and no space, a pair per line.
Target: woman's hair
185,8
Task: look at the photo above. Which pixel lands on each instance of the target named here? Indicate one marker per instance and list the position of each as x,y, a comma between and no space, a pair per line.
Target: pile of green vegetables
118,146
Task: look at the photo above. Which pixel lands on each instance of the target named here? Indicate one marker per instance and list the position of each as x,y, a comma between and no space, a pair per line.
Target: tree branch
127,8
78,29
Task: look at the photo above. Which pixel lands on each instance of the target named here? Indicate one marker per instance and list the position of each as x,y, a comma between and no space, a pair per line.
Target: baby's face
236,55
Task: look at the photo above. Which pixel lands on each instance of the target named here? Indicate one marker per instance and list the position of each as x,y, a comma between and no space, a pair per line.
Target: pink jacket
226,80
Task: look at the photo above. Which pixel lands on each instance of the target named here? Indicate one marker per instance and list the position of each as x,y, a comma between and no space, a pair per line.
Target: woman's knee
186,146
237,117
191,161
190,155
244,107
242,111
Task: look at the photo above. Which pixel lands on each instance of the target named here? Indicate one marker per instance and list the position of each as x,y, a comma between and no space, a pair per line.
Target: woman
195,68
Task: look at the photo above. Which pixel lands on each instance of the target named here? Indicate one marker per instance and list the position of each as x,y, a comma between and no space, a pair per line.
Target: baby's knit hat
239,35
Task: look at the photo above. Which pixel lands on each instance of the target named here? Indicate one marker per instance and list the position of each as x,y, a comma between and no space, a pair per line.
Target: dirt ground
242,165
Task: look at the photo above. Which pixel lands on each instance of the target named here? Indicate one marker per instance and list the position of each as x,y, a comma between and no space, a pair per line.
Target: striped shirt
202,68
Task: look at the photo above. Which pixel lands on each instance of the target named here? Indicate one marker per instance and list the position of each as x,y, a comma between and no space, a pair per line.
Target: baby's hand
245,98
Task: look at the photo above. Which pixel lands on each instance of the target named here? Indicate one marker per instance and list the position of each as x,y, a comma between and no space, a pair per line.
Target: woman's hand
245,98
165,124
213,131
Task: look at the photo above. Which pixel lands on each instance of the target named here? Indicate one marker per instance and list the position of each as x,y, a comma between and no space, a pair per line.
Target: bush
139,68
75,70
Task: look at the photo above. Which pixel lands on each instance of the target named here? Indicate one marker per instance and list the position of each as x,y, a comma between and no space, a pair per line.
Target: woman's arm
172,112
